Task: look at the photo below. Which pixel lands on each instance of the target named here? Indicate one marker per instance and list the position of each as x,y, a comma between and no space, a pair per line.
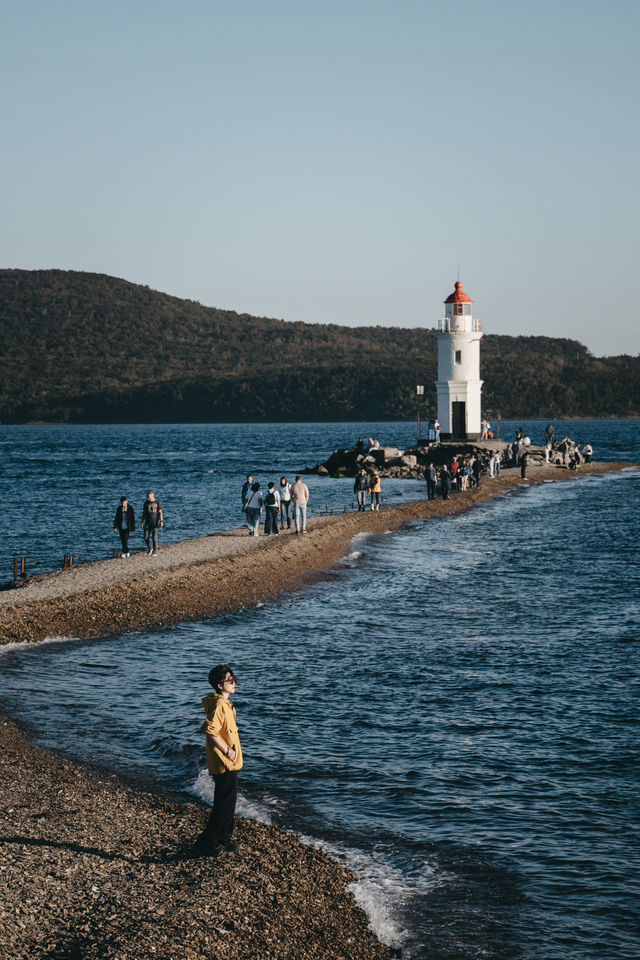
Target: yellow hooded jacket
221,722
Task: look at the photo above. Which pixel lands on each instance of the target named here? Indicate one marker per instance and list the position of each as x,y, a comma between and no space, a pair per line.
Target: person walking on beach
252,507
246,487
431,477
374,491
224,759
152,518
124,524
360,487
300,499
272,510
285,502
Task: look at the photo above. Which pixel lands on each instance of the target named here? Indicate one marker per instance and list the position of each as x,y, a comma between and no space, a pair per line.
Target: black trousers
270,521
220,825
124,536
431,489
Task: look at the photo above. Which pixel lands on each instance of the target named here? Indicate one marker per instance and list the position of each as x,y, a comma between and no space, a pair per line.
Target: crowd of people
282,505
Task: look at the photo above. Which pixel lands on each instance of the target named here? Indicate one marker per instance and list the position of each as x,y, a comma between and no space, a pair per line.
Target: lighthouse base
461,436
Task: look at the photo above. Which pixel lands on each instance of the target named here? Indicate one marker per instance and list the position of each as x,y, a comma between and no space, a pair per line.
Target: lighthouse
459,386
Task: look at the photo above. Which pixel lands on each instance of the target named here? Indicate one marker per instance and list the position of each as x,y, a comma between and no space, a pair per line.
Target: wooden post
65,562
115,553
15,569
70,559
23,567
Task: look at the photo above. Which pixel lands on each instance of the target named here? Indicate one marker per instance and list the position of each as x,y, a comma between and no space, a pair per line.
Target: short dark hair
122,499
217,675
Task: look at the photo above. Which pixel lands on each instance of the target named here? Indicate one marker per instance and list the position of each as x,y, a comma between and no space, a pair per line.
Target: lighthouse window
457,309
467,308
458,356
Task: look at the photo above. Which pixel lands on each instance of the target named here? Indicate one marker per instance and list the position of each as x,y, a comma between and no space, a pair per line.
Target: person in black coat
124,524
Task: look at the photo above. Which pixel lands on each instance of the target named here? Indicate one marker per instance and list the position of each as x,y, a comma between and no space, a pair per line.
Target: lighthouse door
459,419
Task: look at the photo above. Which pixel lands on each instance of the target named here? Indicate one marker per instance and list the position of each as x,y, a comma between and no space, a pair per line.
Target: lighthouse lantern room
459,387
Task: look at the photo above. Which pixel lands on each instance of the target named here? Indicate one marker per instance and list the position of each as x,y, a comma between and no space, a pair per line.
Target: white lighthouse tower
459,386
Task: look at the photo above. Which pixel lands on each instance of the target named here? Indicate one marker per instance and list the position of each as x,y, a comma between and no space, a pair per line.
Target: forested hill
88,347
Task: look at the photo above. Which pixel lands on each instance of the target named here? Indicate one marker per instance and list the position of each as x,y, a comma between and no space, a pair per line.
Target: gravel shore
91,867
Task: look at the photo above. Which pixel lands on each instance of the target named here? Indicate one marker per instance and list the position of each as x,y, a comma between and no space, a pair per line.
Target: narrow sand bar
91,867
220,573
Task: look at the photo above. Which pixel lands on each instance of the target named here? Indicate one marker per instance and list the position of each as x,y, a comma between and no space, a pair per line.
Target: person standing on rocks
224,759
360,487
300,499
548,434
124,524
152,518
523,464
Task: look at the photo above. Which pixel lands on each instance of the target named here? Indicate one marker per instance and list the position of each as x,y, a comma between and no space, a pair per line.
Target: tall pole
420,394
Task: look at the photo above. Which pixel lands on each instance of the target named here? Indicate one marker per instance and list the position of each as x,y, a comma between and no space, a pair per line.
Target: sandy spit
216,574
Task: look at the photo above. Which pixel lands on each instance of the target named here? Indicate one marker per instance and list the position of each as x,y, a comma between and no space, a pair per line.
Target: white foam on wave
380,888
34,644
203,787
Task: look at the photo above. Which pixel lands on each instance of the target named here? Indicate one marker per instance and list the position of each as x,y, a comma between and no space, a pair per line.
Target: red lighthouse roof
458,296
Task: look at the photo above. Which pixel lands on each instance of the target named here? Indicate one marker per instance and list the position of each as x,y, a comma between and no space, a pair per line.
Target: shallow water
454,710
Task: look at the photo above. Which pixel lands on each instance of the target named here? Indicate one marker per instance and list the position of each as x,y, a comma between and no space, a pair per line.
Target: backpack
271,499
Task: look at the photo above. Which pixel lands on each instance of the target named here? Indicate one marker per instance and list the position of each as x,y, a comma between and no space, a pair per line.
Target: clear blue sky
333,161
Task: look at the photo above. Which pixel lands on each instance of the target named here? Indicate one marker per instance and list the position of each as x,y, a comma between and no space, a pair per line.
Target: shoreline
220,573
95,866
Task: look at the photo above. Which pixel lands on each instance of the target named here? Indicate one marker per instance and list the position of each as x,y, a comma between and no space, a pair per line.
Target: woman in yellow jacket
374,490
224,759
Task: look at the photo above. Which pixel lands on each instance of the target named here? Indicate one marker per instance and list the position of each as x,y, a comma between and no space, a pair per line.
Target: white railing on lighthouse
461,324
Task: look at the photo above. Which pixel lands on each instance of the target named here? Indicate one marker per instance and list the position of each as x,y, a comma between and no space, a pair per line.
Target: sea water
453,710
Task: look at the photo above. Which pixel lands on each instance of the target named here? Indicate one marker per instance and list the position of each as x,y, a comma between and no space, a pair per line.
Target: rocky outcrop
410,463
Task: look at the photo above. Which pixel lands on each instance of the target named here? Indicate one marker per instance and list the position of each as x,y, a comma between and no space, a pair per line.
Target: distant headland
90,348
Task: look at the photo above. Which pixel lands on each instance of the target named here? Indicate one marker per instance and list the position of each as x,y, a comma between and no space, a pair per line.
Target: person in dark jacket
445,482
152,518
431,477
360,487
124,524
